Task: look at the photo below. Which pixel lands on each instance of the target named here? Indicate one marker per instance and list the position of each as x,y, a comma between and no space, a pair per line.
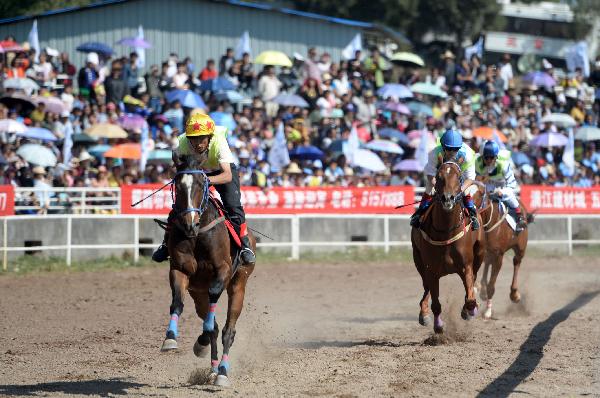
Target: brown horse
500,238
203,262
445,244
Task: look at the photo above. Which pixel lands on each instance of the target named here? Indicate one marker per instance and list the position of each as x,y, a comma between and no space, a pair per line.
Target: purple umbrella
408,165
397,107
134,42
541,79
549,140
131,121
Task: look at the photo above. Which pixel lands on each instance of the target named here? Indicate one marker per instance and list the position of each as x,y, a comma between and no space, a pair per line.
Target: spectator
116,87
130,74
226,61
268,88
209,71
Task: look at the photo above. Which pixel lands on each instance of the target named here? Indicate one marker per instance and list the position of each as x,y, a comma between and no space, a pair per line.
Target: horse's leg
519,250
484,277
179,284
235,292
200,297
436,306
424,313
215,289
496,260
468,278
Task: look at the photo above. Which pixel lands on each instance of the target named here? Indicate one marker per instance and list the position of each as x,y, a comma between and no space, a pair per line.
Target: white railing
82,200
295,244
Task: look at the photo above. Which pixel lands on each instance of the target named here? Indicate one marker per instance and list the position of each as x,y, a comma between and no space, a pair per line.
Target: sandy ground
340,330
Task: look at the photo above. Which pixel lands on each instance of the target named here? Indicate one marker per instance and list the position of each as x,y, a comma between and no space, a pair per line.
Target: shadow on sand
84,387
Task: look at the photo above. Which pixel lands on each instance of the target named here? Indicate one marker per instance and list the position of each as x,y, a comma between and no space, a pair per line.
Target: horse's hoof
473,313
515,296
212,377
425,320
169,345
200,350
487,314
438,325
222,381
438,329
467,315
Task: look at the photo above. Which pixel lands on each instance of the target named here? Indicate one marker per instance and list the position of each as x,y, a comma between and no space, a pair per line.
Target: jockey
201,135
495,166
451,148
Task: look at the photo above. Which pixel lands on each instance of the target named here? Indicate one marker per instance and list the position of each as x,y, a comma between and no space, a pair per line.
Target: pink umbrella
414,134
131,121
53,104
408,165
397,107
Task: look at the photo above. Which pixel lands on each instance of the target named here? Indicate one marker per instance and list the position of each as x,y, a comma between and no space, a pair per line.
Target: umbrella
124,151
397,107
95,47
38,133
431,142
229,95
134,42
417,134
408,165
368,160
106,130
306,153
187,98
549,140
12,126
488,133
17,101
37,154
217,84
394,135
419,108
384,146
83,138
541,79
98,151
394,90
290,100
337,146
520,158
224,119
428,89
53,104
10,46
131,121
21,84
407,58
160,156
560,119
276,58
588,134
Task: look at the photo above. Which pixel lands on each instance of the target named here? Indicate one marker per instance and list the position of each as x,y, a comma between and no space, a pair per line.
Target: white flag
278,155
243,46
34,41
352,47
352,146
569,154
422,155
576,56
145,147
141,61
476,48
67,143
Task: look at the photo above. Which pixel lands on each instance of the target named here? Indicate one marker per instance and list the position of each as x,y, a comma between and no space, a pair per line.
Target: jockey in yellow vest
495,167
201,135
451,148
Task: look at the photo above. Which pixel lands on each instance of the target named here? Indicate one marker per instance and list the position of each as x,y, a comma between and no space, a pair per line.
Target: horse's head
448,185
191,193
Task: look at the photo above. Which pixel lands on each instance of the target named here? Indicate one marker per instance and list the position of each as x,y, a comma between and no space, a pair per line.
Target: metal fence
295,243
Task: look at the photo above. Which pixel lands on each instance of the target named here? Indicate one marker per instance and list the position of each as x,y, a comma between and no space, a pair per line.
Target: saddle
222,213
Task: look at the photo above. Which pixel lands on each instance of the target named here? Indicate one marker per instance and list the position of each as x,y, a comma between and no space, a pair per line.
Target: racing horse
500,238
203,262
445,244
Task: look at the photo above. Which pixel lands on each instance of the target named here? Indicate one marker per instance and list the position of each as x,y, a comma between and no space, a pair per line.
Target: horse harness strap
211,224
446,242
493,227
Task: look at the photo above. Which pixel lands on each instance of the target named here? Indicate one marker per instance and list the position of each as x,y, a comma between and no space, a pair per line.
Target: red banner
286,200
559,200
7,200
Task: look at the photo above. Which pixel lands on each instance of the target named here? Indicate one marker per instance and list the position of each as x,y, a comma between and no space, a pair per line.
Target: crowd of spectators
341,95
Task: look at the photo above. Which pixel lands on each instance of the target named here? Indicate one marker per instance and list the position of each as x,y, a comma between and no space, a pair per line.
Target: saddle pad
509,218
219,205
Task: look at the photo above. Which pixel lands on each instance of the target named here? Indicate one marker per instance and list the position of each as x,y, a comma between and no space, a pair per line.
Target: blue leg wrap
173,324
224,363
209,322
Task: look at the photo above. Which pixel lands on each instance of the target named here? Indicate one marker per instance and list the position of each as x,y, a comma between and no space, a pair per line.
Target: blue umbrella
306,153
98,150
229,95
224,119
134,42
394,90
519,158
38,133
419,108
217,84
394,134
290,100
160,156
540,79
337,146
187,98
37,154
95,47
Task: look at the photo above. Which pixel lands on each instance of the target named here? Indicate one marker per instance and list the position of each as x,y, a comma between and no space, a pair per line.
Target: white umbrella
12,126
37,154
588,134
368,160
21,84
560,119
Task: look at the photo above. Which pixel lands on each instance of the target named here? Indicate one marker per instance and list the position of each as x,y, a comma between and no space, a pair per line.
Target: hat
39,170
199,124
317,164
130,100
64,114
92,58
26,46
326,76
293,168
84,155
448,54
52,52
368,93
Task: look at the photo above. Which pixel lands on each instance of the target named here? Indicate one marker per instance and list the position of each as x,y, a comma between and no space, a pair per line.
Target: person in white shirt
506,71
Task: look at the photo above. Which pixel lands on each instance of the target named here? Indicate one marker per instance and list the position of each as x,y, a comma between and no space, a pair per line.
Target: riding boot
415,219
162,253
520,220
470,205
247,254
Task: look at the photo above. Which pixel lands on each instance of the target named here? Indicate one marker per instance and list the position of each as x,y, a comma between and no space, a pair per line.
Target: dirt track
307,329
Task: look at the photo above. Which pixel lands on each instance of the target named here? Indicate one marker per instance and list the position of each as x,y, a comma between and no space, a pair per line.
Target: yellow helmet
199,124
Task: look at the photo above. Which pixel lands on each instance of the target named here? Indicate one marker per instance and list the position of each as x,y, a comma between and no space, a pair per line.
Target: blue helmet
451,139
490,149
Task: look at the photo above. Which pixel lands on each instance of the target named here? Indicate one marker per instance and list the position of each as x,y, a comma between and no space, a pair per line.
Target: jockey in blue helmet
495,168
451,148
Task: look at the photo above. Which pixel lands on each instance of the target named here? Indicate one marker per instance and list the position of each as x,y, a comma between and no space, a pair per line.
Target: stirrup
161,254
415,220
246,251
474,223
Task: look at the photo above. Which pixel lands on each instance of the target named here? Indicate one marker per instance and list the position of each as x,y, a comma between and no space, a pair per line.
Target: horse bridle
439,197
205,194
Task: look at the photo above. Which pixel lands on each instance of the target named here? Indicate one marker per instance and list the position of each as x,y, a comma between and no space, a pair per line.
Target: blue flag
279,157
